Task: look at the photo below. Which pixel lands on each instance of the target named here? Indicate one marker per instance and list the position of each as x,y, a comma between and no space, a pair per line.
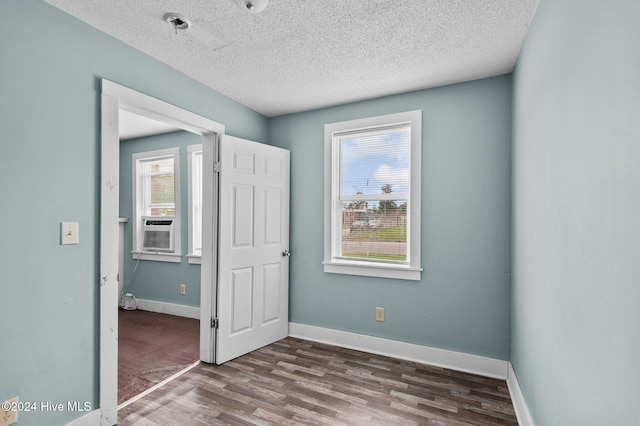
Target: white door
253,268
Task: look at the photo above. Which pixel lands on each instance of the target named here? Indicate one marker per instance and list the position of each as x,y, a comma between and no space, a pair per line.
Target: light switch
69,233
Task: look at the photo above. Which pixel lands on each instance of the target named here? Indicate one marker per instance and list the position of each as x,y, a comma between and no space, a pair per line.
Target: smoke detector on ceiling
179,22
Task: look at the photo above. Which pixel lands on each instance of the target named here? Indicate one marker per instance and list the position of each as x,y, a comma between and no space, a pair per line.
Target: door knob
286,253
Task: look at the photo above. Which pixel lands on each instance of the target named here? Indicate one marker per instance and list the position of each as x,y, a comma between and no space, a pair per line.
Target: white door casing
269,317
253,262
113,98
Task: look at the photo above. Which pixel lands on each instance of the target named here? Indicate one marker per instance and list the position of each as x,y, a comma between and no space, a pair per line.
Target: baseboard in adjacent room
169,308
484,366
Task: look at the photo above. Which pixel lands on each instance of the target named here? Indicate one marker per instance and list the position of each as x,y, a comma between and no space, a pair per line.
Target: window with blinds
159,187
372,193
371,222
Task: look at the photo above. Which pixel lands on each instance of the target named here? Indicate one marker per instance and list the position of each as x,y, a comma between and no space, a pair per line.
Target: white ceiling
132,126
299,55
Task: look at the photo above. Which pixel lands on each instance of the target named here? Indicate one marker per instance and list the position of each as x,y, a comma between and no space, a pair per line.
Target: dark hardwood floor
151,348
296,382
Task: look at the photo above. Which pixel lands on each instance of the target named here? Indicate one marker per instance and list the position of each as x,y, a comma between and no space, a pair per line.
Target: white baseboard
169,308
519,403
92,418
475,364
488,367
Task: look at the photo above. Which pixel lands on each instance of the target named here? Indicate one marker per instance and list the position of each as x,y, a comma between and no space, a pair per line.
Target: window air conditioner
158,234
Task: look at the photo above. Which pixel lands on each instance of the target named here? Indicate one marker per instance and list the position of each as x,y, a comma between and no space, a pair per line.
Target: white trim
192,197
209,264
484,366
517,398
158,257
148,106
109,206
115,97
92,418
169,308
412,271
372,269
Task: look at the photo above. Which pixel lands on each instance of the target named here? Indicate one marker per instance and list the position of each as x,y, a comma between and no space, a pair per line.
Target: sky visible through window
375,159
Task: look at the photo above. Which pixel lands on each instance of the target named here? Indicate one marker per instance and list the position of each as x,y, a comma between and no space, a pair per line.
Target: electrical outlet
9,412
183,289
379,314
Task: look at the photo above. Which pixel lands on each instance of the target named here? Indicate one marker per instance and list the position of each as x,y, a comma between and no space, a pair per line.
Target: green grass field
379,256
395,234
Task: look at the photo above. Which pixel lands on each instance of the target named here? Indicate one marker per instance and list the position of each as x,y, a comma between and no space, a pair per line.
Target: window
195,202
156,195
372,196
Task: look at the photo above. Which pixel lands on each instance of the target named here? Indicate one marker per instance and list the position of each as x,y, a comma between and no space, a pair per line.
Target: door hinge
214,323
216,167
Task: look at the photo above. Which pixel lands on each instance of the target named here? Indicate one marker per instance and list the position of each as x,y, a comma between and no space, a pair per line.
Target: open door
253,265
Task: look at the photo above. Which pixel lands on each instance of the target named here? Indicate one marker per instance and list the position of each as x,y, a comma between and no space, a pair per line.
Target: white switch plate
9,412
69,233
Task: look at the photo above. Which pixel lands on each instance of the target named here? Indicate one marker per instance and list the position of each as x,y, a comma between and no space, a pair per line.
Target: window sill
194,259
158,257
370,269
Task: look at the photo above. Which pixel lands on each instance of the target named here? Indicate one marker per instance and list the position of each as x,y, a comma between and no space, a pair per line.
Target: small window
194,164
159,189
372,196
156,189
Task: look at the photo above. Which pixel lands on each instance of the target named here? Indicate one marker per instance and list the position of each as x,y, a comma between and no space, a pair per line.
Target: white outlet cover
69,233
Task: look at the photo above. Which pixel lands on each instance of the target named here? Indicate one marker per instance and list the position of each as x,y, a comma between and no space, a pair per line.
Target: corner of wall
517,398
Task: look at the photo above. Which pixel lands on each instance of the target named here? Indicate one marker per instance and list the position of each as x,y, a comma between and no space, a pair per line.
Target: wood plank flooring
296,382
151,348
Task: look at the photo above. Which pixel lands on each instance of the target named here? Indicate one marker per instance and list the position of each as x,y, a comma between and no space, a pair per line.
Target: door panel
272,289
242,215
273,215
242,299
253,284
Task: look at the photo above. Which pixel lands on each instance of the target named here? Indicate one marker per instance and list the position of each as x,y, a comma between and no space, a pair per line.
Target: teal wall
462,302
576,214
50,70
159,281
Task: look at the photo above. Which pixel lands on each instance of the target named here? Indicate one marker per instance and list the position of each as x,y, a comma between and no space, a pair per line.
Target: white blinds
159,187
373,167
375,163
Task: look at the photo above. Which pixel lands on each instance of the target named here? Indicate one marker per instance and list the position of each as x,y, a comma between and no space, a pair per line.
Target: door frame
113,98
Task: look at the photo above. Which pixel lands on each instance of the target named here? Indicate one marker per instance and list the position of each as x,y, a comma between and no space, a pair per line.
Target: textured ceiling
299,55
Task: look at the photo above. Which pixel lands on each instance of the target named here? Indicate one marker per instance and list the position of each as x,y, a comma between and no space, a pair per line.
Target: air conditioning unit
158,234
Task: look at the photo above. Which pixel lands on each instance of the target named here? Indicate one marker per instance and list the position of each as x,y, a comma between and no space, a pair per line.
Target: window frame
332,203
138,203
194,185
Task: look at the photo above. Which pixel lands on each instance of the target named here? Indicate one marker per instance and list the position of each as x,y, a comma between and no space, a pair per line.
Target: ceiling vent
178,21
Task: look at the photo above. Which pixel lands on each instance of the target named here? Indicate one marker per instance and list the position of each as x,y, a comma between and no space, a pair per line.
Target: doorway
114,99
244,283
158,318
